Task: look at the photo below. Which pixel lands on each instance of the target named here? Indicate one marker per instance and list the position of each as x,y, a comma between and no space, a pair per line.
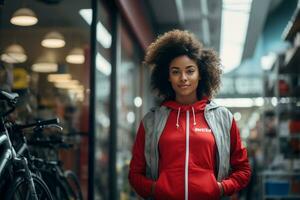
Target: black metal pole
113,192
91,167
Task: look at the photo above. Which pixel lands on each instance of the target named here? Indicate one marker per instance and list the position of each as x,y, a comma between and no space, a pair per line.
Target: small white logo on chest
204,130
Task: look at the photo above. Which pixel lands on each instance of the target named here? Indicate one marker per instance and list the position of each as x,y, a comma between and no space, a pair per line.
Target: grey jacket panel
154,124
219,120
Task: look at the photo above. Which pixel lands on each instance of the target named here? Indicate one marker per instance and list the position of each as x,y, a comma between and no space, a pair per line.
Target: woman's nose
183,77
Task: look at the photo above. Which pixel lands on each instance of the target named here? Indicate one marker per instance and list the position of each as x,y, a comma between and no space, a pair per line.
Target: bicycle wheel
19,190
73,182
58,190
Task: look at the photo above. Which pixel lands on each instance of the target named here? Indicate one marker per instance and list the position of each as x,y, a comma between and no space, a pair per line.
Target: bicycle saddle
8,96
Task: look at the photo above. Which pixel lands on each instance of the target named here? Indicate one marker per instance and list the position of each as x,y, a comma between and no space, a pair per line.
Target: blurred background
81,61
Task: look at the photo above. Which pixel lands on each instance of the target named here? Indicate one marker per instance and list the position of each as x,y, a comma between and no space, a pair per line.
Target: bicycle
17,181
63,185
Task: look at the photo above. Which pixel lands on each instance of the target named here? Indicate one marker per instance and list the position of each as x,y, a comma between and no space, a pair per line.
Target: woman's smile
184,86
184,77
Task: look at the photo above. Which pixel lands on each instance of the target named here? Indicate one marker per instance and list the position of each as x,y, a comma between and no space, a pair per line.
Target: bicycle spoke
28,196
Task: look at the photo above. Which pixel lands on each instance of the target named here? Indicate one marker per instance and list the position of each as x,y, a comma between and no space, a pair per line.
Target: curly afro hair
177,43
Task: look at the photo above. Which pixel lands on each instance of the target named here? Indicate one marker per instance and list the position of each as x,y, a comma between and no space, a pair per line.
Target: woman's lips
183,86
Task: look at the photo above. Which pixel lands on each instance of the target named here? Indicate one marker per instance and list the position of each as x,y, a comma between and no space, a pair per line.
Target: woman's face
184,77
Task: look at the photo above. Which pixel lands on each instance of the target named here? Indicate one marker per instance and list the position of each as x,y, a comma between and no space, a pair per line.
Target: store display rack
281,179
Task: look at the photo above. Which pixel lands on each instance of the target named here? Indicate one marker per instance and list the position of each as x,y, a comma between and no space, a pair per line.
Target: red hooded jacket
201,176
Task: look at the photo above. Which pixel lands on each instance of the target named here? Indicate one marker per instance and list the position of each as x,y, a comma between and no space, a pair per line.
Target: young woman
189,148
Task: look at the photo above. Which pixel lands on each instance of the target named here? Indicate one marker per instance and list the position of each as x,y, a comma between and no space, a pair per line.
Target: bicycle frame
7,152
55,168
10,159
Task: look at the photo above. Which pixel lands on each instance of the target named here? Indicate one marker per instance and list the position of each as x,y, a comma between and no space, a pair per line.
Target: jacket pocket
203,185
170,185
218,192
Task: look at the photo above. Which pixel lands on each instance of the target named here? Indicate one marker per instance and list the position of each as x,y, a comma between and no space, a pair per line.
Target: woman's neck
186,100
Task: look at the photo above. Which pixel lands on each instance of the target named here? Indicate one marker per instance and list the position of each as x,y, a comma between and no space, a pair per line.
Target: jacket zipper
186,171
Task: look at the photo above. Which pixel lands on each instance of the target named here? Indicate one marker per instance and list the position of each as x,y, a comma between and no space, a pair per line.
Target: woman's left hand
221,188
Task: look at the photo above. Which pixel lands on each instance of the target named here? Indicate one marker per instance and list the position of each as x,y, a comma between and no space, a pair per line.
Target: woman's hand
221,188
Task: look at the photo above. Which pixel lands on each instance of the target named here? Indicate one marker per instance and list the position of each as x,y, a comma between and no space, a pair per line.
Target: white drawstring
177,124
194,116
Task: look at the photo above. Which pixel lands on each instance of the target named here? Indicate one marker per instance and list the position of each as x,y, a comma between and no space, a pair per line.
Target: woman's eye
175,72
190,71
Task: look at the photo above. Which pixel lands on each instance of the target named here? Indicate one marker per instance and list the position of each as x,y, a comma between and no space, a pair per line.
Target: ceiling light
237,116
14,54
69,82
73,84
234,25
267,61
138,101
240,102
103,65
24,17
44,67
59,77
79,89
130,117
54,40
103,35
274,101
76,56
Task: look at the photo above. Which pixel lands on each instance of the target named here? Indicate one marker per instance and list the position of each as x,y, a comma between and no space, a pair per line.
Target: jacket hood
197,106
201,105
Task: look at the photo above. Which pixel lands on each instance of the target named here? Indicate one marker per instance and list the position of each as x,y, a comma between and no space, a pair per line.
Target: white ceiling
191,15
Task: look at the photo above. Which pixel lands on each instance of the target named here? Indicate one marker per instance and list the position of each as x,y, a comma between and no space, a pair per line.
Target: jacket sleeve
239,163
137,169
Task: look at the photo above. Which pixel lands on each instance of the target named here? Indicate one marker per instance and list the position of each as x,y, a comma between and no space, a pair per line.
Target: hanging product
21,79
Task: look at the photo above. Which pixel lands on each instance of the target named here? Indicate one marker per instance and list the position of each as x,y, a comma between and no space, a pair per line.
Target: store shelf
269,84
287,112
278,184
293,26
280,173
296,136
291,60
289,147
294,94
283,83
282,197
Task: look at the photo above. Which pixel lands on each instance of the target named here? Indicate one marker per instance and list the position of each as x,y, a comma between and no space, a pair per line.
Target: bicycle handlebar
39,123
11,99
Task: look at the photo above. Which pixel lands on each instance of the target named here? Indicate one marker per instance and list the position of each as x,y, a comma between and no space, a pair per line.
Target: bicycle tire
58,189
73,182
19,189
